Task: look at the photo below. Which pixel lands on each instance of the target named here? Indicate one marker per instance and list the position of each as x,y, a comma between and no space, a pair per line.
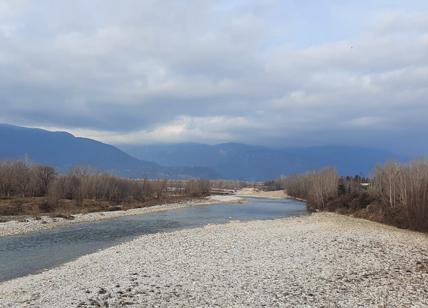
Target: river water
21,255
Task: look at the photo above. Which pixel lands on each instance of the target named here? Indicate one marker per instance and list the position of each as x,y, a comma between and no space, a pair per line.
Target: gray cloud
277,73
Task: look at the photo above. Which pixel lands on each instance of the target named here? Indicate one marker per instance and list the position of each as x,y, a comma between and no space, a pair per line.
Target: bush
403,192
27,189
317,187
197,188
19,179
397,194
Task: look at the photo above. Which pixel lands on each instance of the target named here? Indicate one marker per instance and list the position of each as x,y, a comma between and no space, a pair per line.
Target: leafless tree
403,190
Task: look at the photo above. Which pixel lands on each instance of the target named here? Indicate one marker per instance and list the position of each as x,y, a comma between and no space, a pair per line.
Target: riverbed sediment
27,225
320,260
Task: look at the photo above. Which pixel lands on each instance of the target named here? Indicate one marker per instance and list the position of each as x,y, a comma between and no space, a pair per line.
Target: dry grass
37,206
22,206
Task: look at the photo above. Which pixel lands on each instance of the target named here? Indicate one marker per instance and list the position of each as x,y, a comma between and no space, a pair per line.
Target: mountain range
249,162
65,151
186,160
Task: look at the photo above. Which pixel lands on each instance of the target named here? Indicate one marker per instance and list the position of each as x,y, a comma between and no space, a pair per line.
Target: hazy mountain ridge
64,151
228,160
241,161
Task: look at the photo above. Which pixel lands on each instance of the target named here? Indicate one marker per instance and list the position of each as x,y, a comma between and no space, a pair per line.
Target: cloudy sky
278,73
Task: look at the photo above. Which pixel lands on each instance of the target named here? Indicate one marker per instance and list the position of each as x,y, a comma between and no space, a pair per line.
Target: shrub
19,179
197,188
23,185
317,187
403,192
397,194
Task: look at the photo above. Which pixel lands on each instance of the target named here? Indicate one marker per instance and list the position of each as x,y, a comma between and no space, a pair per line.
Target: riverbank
256,193
14,227
318,260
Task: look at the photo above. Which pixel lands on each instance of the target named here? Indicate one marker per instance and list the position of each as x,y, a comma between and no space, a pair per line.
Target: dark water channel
21,255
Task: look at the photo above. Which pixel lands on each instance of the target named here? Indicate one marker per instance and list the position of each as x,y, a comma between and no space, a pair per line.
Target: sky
277,73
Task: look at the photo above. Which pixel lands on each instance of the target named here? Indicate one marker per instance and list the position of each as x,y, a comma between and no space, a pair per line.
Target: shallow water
21,255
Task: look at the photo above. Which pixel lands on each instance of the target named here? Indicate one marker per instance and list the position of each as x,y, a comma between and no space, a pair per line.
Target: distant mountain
248,162
64,151
230,160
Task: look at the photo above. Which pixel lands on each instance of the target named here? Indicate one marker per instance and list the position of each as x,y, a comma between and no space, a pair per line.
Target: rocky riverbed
322,260
27,225
257,193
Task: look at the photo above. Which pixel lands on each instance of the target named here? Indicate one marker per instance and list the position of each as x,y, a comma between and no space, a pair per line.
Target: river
22,255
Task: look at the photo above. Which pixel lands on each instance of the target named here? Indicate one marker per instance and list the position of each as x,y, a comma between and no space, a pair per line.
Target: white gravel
256,193
14,227
322,260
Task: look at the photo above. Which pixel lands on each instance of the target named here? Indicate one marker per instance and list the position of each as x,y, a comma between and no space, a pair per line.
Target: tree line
396,194
22,180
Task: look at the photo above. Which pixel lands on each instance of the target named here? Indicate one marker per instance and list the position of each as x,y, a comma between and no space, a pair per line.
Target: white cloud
183,128
146,71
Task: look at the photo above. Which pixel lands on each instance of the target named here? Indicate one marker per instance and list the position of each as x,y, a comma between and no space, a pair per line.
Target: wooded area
397,193
27,188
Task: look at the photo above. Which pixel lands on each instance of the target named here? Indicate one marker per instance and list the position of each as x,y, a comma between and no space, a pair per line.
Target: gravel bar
321,260
14,227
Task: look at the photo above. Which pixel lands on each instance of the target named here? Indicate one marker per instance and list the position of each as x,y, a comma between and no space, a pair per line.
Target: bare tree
403,190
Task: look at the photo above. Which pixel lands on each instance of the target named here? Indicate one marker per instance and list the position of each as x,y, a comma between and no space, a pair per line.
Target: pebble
14,227
321,260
